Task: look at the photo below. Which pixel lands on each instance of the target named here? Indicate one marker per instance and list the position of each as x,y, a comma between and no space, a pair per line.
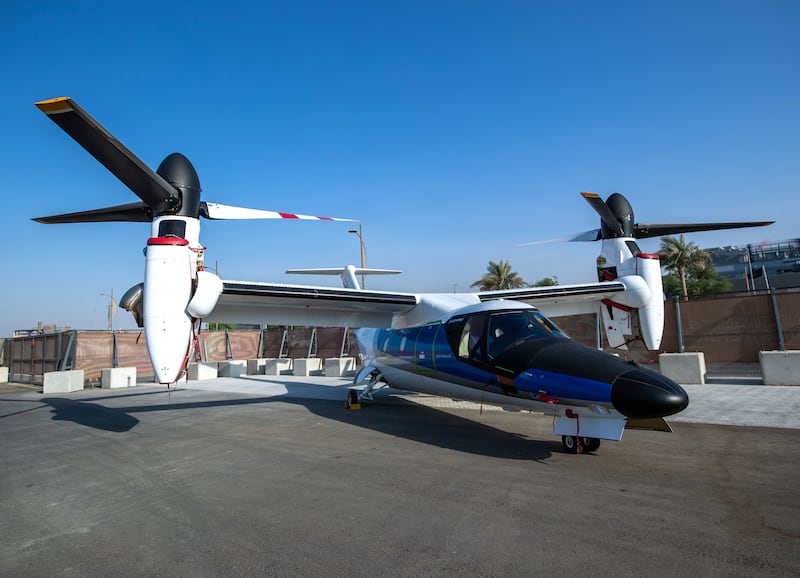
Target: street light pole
360,234
112,308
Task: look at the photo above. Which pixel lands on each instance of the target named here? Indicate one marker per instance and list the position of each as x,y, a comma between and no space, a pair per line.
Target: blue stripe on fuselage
401,349
561,386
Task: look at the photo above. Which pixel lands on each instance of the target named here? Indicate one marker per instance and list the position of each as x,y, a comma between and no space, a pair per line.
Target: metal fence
729,330
29,358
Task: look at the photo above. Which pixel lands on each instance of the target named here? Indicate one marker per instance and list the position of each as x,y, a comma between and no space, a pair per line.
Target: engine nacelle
132,302
167,290
651,315
206,295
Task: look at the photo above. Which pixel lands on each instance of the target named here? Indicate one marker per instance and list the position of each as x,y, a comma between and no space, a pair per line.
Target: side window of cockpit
471,342
172,228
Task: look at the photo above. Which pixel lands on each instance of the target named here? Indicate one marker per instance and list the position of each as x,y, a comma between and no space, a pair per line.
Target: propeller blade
593,235
602,209
133,212
644,231
219,211
156,192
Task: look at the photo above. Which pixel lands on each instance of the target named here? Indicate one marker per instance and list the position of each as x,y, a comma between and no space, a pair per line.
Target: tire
570,444
590,444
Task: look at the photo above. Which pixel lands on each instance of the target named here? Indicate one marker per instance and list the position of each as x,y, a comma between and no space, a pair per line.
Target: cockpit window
509,328
483,336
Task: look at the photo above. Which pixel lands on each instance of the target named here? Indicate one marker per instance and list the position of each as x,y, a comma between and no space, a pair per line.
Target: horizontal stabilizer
132,212
342,270
348,273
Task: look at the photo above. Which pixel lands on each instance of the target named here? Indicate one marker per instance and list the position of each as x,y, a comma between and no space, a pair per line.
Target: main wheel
570,443
590,444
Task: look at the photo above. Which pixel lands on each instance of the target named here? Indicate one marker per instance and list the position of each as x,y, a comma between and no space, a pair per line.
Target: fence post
345,342
312,344
114,349
778,327
228,346
678,325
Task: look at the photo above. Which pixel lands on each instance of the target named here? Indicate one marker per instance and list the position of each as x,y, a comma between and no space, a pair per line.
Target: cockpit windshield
483,336
509,328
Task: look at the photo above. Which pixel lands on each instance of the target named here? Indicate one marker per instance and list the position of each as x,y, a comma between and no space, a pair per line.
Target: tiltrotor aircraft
492,347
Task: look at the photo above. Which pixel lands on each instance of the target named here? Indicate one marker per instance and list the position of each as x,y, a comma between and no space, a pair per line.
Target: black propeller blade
153,189
643,231
135,212
616,220
607,216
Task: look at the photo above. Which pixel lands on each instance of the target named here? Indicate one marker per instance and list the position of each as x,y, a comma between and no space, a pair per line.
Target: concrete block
118,377
687,368
232,368
3,374
339,366
62,381
307,366
256,366
277,366
780,367
200,371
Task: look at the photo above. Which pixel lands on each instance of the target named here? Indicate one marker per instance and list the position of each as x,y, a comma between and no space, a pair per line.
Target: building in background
756,267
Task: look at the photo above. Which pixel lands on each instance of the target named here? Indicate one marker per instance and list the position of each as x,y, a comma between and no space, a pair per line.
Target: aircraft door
424,352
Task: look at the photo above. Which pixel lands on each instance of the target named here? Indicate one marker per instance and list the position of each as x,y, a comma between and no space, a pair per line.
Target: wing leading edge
284,304
560,300
281,304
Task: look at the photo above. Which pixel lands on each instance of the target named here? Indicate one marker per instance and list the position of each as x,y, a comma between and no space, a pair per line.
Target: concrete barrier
256,366
683,367
306,366
780,367
201,371
62,381
339,366
277,366
113,377
3,374
232,368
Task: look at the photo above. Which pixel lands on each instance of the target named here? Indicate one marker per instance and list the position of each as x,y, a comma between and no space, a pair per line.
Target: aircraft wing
560,300
281,304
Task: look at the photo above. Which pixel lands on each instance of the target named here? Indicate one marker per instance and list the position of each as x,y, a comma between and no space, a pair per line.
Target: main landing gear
578,445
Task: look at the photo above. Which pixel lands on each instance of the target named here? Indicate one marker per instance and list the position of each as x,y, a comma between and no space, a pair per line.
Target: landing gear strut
575,444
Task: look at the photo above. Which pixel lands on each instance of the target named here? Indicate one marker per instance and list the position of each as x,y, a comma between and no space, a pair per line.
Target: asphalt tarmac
258,476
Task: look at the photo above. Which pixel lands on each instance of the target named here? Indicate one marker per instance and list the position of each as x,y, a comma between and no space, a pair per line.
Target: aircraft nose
641,393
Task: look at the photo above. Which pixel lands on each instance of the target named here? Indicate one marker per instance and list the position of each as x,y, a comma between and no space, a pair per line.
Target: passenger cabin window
172,228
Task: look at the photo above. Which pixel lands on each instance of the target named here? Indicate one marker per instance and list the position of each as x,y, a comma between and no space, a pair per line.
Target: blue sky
452,129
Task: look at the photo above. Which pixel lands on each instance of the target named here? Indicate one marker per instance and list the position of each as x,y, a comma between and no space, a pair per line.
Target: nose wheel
577,445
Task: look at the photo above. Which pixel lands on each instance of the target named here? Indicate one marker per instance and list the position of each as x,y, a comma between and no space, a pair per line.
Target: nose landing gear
578,445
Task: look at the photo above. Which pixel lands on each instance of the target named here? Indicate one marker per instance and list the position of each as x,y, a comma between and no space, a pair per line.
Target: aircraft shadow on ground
390,416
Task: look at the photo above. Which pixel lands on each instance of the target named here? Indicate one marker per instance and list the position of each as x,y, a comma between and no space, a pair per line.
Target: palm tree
678,255
499,276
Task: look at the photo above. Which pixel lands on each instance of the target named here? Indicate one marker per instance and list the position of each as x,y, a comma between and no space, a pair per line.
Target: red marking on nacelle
616,305
167,241
647,256
608,276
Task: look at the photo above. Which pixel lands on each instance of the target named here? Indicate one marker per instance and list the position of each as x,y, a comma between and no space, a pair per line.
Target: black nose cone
641,393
